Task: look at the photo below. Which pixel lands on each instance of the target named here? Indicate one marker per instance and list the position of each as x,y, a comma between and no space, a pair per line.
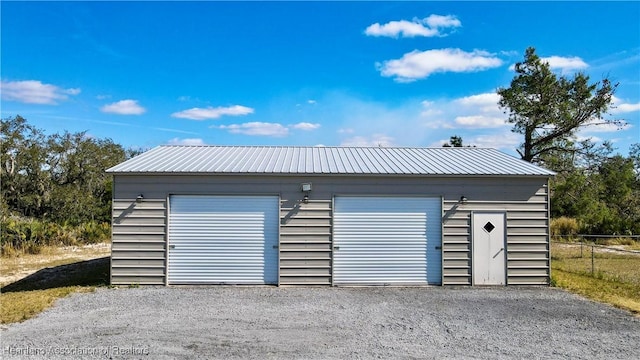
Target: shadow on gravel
93,272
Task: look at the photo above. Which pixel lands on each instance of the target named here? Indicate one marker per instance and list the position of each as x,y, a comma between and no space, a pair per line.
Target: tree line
54,189
594,185
57,177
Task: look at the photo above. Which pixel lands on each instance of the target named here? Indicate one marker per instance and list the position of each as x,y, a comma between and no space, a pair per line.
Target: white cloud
484,99
420,64
440,21
345,131
478,111
618,106
434,26
124,107
266,128
601,126
34,92
626,108
257,129
377,140
506,140
404,27
429,109
486,103
188,141
480,121
593,139
305,126
509,53
212,113
566,64
103,97
439,123
431,112
72,91
311,101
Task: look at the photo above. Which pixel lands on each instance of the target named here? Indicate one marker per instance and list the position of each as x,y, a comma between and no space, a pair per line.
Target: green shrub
30,236
93,232
564,226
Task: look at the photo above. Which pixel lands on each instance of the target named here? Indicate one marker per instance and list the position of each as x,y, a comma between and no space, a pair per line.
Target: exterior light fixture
306,188
463,200
139,198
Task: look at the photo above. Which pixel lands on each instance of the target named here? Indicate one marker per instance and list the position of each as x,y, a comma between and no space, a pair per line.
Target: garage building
329,216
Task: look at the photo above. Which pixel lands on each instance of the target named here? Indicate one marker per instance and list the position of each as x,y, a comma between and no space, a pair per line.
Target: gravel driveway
323,323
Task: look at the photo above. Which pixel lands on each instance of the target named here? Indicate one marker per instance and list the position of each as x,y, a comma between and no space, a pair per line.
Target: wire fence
618,261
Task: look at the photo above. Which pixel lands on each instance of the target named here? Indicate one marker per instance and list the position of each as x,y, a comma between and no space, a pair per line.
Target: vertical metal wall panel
223,239
387,240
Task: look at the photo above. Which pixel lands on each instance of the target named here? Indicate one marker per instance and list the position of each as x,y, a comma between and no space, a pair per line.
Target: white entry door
489,248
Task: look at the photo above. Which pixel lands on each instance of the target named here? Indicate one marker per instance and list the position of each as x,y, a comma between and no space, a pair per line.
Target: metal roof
184,159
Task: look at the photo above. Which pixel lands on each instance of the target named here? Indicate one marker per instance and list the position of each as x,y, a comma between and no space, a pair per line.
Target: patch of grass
609,265
13,268
621,295
23,305
57,278
615,278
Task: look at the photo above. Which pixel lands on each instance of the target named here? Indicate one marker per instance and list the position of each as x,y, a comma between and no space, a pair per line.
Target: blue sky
298,73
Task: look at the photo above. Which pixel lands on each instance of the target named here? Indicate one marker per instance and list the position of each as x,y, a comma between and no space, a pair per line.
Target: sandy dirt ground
16,268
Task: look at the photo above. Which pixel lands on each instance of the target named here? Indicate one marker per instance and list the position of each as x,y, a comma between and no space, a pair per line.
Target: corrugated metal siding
527,239
387,240
327,160
139,254
305,242
138,248
223,239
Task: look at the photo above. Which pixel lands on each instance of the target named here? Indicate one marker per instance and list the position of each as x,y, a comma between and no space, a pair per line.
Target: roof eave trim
323,174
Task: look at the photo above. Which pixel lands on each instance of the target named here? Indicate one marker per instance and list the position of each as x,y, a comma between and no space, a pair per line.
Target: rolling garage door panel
223,239
387,240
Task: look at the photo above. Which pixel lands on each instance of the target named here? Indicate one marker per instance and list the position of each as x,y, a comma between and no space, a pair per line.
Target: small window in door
488,227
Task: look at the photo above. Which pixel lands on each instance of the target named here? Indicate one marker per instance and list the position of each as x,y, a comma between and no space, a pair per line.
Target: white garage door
223,239
387,240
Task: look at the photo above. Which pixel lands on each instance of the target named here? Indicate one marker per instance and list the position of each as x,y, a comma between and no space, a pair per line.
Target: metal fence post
592,267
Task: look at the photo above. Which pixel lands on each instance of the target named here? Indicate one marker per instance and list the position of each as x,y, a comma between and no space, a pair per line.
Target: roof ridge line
333,147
